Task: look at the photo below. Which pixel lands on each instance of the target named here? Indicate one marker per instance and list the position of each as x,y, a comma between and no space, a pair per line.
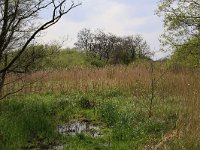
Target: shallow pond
70,129
78,127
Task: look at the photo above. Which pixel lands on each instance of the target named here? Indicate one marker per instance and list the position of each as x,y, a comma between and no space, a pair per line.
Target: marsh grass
32,119
134,79
24,119
116,98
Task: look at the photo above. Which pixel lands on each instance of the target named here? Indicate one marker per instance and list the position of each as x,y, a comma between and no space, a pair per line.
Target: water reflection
78,127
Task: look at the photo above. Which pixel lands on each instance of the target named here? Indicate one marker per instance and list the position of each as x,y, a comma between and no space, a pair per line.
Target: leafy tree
187,55
181,21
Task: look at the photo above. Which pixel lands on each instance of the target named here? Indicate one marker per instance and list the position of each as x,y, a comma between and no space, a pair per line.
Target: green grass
69,58
32,120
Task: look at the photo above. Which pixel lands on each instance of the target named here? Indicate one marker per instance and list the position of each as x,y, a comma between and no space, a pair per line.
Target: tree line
111,48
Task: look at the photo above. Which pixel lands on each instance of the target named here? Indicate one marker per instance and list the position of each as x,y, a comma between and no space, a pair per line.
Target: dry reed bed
137,80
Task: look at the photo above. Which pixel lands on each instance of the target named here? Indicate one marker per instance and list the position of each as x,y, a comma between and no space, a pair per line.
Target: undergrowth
123,121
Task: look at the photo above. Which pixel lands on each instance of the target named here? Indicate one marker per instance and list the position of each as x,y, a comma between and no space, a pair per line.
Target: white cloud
111,16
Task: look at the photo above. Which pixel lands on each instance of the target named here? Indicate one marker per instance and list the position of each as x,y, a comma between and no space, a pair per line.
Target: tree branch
46,25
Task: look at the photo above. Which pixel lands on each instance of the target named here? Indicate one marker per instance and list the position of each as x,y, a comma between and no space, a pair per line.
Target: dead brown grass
133,79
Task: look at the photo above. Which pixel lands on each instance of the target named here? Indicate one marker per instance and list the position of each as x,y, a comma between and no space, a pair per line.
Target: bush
187,55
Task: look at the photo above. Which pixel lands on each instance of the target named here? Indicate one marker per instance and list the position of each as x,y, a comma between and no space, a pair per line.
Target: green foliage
181,21
25,119
68,58
122,120
95,61
36,57
64,108
121,57
109,113
129,125
44,57
187,55
111,93
86,103
82,142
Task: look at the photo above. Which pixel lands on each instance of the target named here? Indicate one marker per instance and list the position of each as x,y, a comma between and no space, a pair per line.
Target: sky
120,17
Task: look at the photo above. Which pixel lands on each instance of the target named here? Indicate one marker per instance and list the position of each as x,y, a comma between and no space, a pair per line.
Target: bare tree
19,21
85,40
100,42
